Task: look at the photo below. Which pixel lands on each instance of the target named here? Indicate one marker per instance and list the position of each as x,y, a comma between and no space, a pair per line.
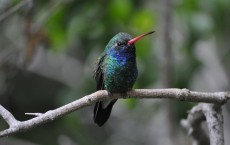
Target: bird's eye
119,44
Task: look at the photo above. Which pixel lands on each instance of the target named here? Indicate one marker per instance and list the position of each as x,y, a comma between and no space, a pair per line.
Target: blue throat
122,56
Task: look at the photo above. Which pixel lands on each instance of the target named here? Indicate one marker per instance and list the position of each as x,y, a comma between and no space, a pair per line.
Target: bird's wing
98,72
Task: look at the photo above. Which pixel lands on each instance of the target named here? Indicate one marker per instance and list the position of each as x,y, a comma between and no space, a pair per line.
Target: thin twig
15,9
34,114
180,94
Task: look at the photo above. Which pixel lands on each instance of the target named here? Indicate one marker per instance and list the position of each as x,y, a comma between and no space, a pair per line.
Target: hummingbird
115,71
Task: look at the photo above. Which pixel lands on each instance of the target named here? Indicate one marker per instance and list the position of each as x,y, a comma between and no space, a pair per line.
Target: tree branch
212,114
180,94
214,120
8,117
193,126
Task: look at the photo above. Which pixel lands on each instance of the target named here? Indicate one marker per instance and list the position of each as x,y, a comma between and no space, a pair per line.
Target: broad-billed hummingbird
115,71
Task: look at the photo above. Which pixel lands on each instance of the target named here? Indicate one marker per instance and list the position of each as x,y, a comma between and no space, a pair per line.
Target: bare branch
8,117
193,126
34,114
212,114
214,120
180,94
15,9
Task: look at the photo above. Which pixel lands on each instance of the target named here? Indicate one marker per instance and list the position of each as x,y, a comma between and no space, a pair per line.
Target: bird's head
123,43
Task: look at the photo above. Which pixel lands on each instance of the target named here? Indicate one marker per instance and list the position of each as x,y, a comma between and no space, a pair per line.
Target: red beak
132,41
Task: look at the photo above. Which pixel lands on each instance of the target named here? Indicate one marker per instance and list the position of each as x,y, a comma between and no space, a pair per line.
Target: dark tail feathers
101,113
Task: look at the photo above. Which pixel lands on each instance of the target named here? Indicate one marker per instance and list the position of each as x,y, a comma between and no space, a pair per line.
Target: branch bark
213,116
214,120
193,126
179,94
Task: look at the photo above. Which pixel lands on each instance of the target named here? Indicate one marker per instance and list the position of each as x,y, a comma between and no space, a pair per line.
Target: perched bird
115,71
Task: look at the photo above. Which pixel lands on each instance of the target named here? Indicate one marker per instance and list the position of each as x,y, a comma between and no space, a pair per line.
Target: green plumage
115,71
119,75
